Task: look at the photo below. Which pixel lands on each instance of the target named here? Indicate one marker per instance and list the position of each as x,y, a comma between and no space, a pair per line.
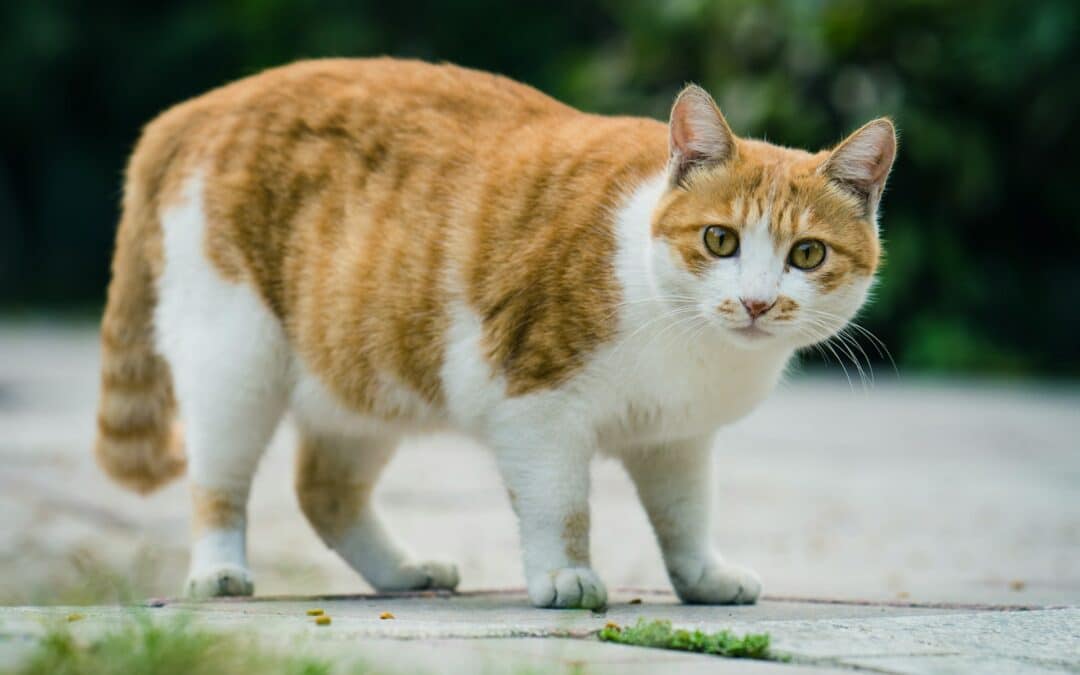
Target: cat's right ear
699,134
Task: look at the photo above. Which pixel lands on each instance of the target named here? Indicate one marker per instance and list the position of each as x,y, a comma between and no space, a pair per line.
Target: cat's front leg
674,483
548,483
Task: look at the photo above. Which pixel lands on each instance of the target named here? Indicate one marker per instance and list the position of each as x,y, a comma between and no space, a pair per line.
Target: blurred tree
980,222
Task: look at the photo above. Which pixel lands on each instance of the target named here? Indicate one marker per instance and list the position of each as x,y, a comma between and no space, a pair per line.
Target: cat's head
772,246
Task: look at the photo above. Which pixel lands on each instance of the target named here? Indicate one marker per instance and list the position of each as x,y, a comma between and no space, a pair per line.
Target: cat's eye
807,254
721,241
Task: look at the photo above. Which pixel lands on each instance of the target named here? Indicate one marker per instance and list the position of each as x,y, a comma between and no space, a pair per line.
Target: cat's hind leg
335,478
232,395
230,361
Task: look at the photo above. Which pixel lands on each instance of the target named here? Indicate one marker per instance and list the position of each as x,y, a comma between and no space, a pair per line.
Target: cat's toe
417,576
568,588
440,575
219,581
712,582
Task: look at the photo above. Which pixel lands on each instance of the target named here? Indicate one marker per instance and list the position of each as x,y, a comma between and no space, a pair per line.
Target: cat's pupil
807,255
721,241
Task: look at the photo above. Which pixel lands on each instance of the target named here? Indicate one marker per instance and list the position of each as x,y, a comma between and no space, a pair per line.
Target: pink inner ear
681,134
865,158
698,130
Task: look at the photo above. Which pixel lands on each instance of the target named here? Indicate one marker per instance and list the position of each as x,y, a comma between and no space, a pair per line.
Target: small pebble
315,612
75,617
322,620
387,615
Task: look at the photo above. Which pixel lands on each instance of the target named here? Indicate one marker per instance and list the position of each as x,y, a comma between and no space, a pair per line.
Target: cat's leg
547,477
335,479
229,360
674,482
232,397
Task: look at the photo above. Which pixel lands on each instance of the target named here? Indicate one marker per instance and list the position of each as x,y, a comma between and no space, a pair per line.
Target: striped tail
138,443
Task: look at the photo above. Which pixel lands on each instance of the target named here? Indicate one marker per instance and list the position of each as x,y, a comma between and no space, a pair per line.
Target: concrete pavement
911,491
498,633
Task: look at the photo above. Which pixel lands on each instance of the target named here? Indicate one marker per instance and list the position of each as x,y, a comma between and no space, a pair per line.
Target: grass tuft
171,648
661,635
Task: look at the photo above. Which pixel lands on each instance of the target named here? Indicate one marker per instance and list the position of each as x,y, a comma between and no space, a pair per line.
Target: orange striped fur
357,204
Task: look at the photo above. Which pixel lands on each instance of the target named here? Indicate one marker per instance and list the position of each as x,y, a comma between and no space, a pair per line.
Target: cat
385,246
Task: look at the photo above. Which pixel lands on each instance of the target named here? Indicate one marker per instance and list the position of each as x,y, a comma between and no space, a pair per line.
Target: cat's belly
396,410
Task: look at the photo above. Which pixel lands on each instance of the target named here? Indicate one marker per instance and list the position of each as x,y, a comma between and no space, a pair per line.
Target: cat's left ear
862,162
699,134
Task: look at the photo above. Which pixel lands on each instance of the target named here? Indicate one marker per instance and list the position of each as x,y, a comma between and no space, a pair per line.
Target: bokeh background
980,217
961,486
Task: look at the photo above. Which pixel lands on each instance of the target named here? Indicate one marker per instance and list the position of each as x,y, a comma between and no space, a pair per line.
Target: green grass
661,635
85,578
143,646
171,648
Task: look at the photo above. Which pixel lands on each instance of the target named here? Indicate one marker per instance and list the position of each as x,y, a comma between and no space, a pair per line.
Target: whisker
877,343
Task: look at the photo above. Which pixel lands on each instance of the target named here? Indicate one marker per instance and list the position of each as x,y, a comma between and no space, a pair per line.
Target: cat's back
357,197
351,99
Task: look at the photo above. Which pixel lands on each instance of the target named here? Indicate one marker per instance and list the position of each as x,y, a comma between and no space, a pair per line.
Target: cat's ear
699,134
862,162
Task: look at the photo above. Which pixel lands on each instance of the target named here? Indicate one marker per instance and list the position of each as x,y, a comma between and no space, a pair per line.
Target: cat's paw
431,575
709,581
439,575
219,581
568,588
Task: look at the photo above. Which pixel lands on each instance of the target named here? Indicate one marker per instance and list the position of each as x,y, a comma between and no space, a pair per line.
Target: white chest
684,390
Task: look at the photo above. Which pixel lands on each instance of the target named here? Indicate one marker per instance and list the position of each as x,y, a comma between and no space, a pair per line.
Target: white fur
367,545
315,407
653,397
219,565
234,374
229,361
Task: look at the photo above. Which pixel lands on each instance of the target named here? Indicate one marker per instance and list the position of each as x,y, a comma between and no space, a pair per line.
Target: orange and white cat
384,247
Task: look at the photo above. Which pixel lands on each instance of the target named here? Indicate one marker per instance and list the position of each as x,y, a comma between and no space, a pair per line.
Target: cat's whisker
659,300
845,348
843,335
628,340
878,343
840,361
855,344
654,338
821,341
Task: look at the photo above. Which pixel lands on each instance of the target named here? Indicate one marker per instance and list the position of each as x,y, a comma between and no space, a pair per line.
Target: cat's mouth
752,332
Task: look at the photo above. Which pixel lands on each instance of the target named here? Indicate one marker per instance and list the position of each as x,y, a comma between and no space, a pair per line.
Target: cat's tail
139,443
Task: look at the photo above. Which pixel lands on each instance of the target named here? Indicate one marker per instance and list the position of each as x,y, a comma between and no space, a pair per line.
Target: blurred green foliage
980,220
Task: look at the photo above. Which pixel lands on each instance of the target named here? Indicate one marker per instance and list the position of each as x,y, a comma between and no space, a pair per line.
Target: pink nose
756,307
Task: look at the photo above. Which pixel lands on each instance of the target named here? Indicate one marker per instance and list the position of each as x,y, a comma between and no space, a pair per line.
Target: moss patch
661,635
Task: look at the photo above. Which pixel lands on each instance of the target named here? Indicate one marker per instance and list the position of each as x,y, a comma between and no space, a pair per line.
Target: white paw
219,581
429,575
708,581
568,588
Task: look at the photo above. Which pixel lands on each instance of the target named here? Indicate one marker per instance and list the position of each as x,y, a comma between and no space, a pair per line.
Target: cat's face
771,246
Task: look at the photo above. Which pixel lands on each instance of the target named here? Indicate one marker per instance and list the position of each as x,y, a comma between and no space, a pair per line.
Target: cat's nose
756,307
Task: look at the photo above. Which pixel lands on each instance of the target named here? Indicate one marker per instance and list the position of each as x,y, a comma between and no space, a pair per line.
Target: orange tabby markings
215,510
385,247
576,537
329,492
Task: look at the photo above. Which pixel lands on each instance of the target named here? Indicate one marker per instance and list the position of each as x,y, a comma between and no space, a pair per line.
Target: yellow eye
807,254
721,241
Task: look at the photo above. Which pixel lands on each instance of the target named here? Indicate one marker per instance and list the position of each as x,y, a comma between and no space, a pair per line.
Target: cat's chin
751,337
